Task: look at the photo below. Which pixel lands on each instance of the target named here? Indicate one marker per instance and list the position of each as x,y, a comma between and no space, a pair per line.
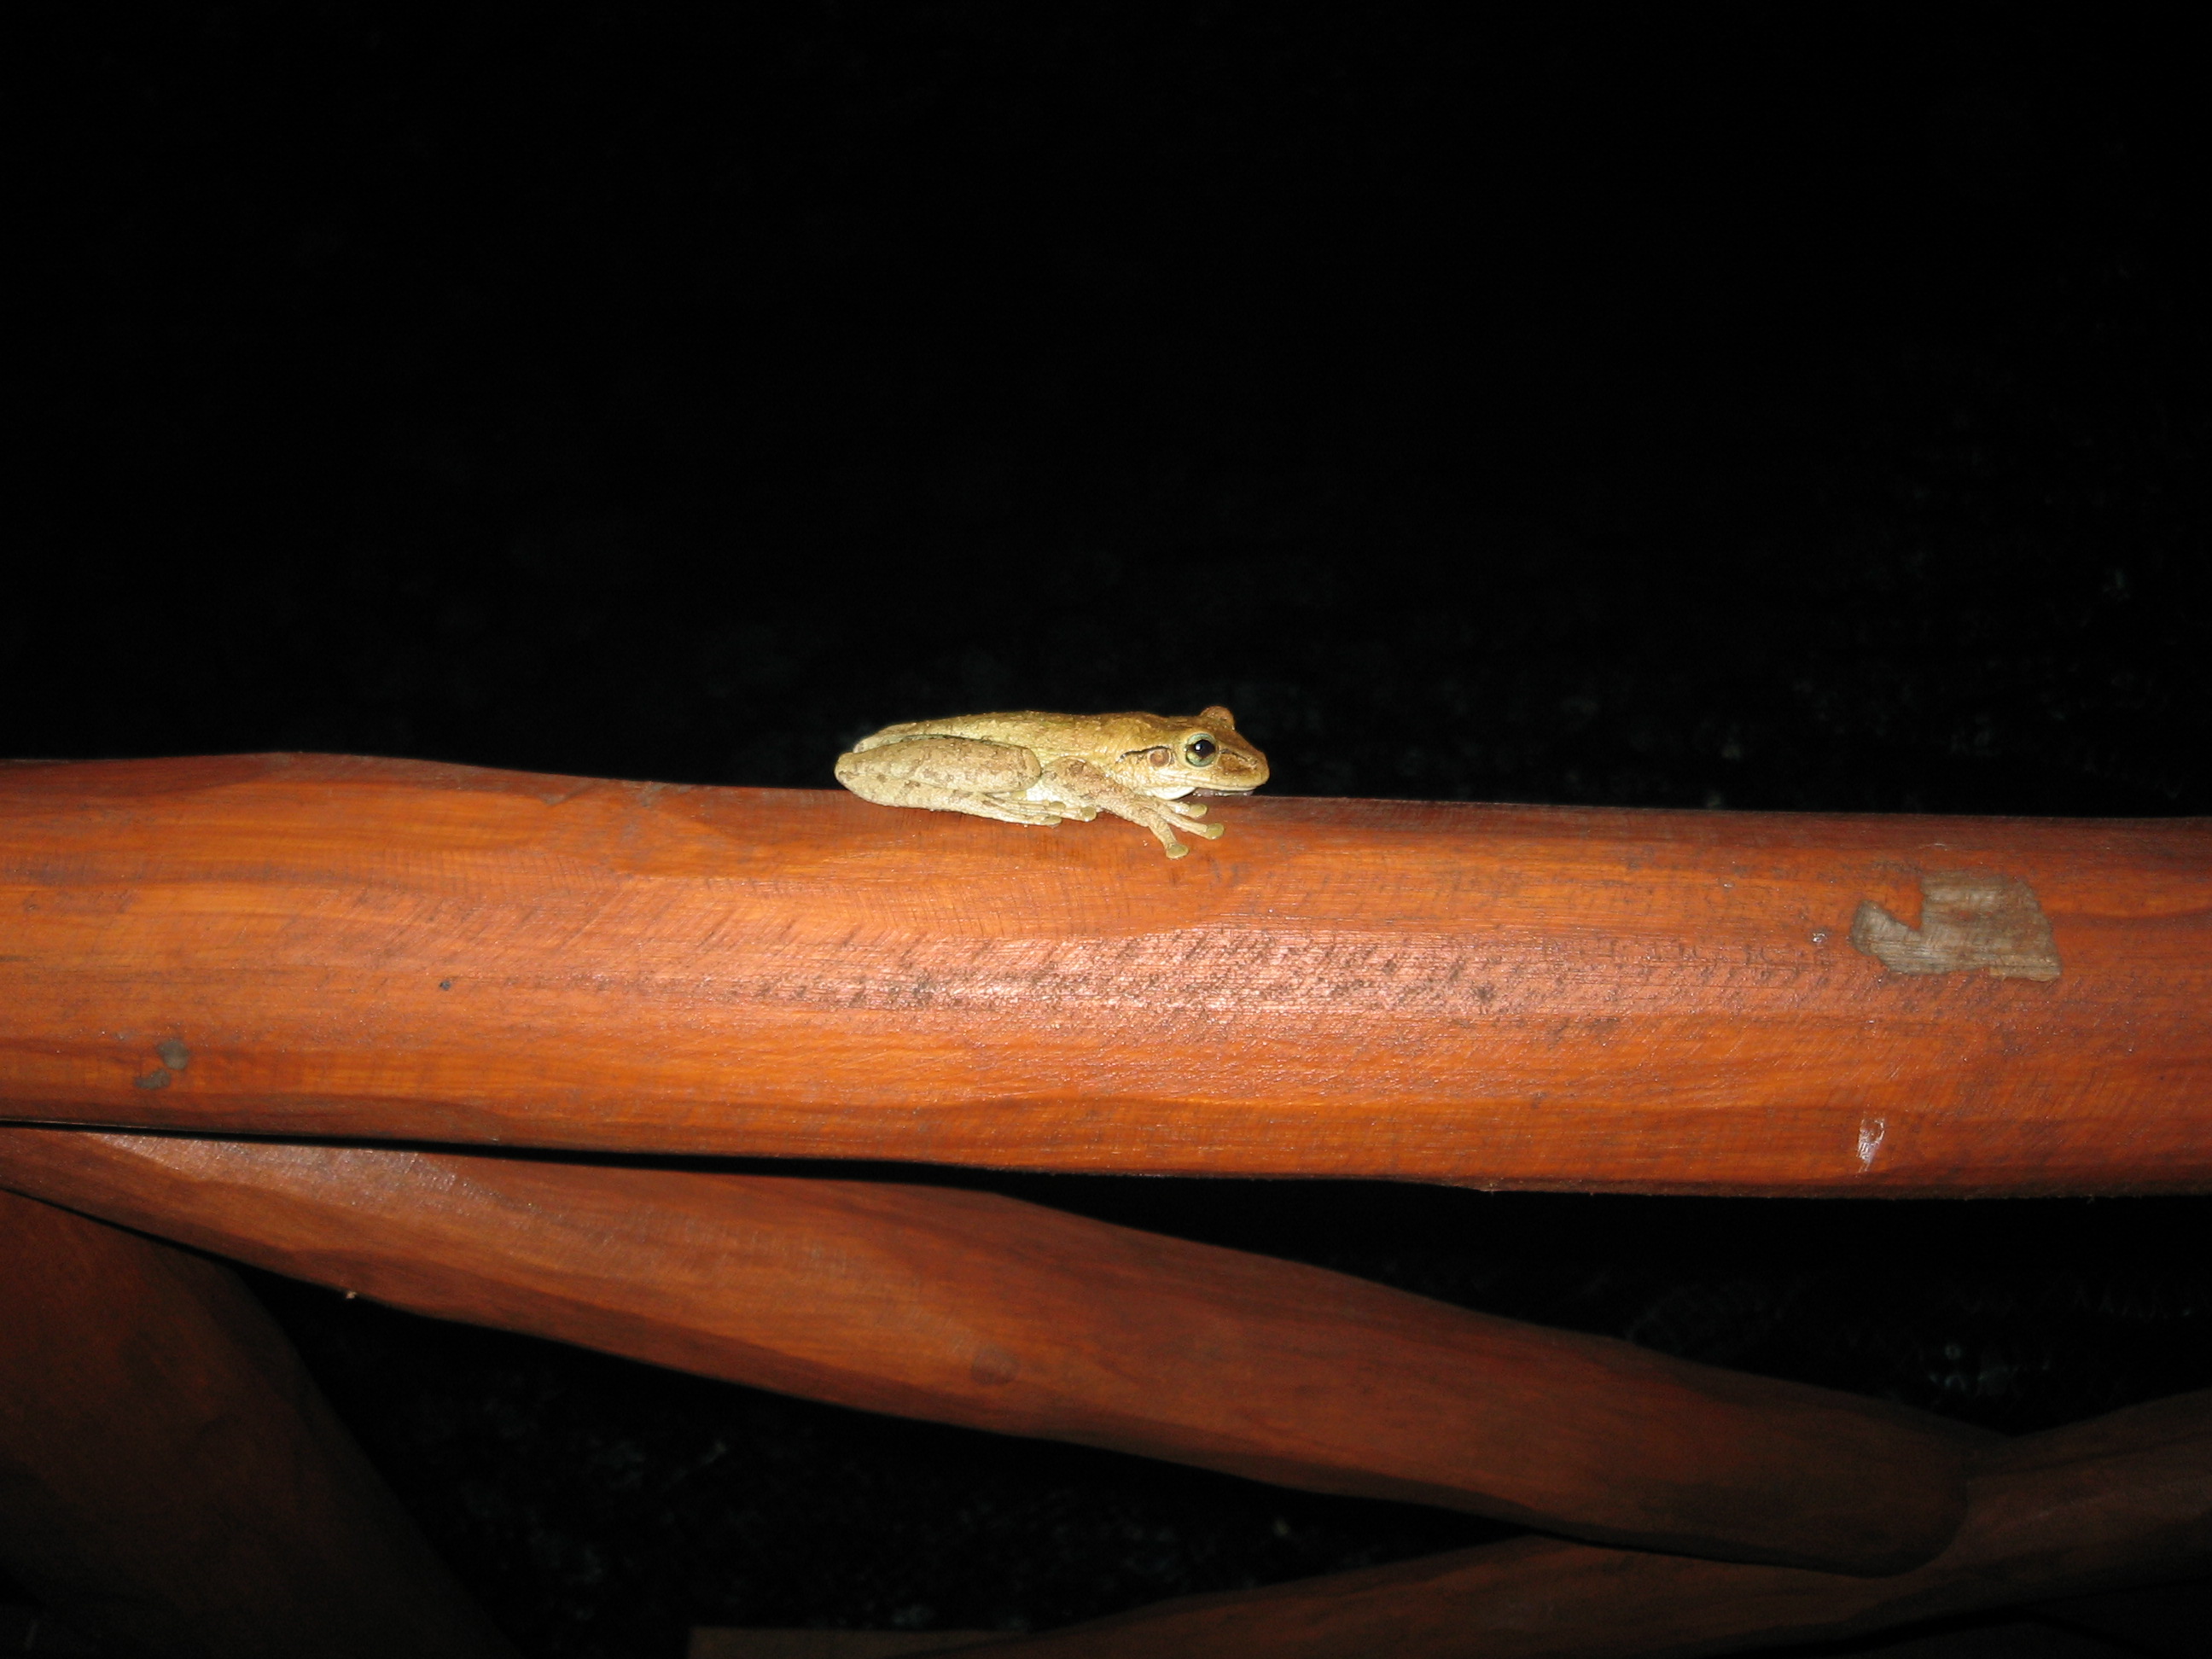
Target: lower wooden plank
2120,1499
171,1480
972,1309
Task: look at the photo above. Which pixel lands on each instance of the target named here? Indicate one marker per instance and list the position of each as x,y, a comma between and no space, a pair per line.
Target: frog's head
1204,753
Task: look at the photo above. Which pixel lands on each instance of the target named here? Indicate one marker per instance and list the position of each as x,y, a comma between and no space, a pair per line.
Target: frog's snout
1234,773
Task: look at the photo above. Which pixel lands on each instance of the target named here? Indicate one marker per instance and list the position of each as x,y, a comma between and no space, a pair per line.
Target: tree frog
1028,768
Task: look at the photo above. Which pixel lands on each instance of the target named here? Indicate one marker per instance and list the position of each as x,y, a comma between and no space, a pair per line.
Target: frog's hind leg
1013,811
948,775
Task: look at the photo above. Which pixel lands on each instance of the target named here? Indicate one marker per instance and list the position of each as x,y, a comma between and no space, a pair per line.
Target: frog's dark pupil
1200,749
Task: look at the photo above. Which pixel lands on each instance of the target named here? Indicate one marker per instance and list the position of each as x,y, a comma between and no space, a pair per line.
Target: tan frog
1028,768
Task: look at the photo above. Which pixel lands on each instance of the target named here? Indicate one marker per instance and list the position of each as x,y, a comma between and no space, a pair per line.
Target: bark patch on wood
1968,918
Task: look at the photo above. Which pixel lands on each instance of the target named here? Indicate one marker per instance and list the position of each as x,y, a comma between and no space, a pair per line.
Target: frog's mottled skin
1028,768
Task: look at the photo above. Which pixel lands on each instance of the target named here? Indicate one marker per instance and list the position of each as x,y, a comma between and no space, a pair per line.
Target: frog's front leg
949,775
1080,782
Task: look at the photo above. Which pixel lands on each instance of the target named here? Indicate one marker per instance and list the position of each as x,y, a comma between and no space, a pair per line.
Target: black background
1759,407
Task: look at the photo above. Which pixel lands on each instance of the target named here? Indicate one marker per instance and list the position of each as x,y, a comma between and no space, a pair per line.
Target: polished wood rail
973,1308
170,1479
2117,1500
324,948
1532,997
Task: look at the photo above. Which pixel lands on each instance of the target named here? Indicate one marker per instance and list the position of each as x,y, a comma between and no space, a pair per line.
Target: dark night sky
1801,406
1768,407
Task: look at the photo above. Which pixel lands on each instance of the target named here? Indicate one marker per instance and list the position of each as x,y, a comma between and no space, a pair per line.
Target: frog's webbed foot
1189,809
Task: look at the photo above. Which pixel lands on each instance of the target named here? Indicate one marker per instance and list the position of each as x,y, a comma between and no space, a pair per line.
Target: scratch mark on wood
1873,1131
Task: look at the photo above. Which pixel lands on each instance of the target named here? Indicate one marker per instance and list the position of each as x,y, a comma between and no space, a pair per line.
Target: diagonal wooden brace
972,1309
2119,1500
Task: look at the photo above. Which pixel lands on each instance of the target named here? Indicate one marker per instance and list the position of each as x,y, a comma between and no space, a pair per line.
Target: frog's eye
1200,751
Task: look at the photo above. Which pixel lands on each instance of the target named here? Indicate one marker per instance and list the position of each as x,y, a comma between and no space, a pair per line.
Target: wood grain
972,1309
2122,1499
169,1478
1504,996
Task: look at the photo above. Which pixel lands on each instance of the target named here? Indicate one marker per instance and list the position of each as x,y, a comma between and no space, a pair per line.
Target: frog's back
1044,734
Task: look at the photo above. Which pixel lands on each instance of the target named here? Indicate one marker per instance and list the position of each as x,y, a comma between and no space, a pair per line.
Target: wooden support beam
171,1479
972,1309
1499,995
2121,1499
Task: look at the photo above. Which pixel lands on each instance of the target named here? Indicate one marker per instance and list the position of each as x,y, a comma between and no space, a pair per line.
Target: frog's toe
1210,831
1165,835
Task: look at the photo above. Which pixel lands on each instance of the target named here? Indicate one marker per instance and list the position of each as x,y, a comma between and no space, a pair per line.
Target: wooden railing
195,952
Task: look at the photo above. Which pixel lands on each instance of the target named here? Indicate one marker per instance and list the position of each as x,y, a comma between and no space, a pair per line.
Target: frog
1028,767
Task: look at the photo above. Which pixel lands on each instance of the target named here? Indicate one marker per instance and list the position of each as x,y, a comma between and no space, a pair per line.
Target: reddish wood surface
2122,1499
171,1479
1507,996
973,1308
